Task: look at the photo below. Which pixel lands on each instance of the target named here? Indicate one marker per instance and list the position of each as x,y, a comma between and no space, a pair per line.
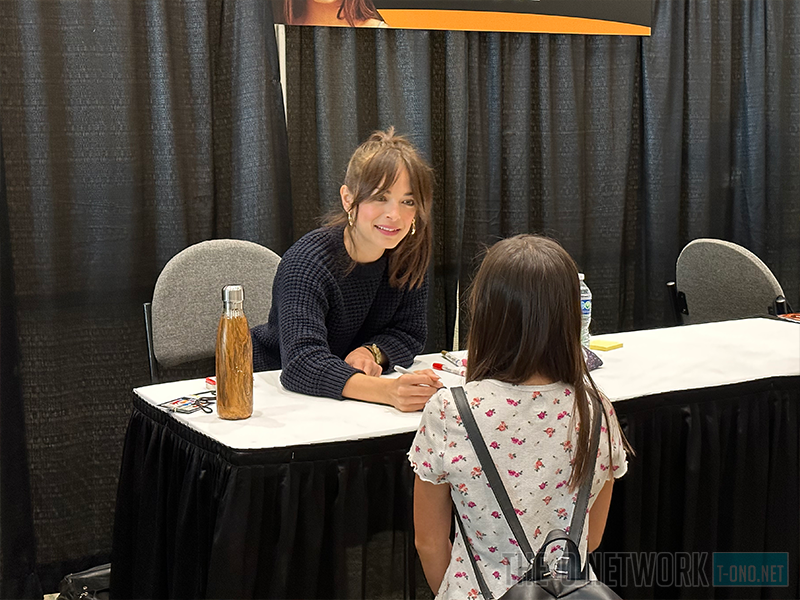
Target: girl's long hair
352,11
525,318
372,170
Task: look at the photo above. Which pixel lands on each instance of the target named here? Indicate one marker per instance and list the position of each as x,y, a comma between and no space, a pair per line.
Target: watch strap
377,354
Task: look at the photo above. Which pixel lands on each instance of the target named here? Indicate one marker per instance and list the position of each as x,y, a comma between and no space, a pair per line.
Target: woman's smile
386,230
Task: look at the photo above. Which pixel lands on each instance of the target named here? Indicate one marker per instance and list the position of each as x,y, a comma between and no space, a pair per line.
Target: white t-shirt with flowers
530,432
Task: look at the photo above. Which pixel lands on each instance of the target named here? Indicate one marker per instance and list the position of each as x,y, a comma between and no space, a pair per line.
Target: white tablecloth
650,362
283,418
696,356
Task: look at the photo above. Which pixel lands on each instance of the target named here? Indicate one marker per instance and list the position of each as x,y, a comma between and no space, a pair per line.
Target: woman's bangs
379,174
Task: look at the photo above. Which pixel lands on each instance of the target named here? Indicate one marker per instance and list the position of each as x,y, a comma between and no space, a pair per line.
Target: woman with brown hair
530,390
344,13
349,300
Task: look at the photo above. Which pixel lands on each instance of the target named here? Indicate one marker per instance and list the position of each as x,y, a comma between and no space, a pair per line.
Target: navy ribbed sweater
319,315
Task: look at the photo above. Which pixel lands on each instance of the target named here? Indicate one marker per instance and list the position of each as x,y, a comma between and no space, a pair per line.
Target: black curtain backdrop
130,130
622,148
16,520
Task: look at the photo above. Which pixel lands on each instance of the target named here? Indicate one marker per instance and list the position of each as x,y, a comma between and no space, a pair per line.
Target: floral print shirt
530,432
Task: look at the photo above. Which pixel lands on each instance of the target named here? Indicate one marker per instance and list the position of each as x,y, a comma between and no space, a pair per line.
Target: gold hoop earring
413,226
350,218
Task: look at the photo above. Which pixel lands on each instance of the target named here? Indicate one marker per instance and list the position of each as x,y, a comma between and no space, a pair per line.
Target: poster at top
605,17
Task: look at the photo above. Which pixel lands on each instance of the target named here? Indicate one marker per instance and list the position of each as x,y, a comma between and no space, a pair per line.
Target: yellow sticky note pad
604,344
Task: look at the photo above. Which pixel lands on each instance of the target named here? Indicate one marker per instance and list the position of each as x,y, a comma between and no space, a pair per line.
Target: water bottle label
586,306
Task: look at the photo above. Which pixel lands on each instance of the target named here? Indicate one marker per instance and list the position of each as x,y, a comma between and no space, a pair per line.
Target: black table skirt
716,471
196,519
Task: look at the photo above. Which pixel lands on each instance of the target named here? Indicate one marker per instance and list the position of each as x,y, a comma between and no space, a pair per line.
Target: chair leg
148,326
672,290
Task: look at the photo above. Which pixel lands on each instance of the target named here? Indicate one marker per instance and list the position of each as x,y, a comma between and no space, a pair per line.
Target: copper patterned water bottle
234,358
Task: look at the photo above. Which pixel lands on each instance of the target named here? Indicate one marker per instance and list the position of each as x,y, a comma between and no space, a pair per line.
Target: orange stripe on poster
474,20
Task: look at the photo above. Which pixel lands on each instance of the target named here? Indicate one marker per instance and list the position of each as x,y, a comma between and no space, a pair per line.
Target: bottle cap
233,293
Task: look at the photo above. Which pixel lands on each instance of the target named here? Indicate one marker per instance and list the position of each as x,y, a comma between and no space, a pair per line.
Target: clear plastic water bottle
586,310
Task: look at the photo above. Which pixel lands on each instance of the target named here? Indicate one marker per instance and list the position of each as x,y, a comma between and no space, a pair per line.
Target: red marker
448,369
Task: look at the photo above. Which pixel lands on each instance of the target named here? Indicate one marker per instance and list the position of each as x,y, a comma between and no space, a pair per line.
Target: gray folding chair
717,280
181,321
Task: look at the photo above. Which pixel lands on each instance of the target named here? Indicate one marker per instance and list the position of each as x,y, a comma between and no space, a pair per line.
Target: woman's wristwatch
378,355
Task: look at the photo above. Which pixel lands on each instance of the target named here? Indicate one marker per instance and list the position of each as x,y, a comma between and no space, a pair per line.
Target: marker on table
459,362
461,371
405,371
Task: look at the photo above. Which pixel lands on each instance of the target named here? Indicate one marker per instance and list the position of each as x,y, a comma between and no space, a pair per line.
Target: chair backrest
187,299
722,280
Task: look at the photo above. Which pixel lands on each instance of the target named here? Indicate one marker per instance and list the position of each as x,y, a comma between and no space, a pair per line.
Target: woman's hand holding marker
404,371
413,388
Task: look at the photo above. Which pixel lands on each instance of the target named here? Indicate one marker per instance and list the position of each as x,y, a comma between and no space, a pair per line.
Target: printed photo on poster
603,17
332,13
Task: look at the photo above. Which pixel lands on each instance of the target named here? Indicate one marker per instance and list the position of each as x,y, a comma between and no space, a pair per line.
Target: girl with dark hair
349,300
352,13
530,391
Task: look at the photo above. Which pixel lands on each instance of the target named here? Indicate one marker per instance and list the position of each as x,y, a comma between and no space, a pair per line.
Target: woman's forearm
367,388
407,393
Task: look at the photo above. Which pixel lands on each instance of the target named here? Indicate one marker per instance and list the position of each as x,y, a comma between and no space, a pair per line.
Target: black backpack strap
490,470
579,514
